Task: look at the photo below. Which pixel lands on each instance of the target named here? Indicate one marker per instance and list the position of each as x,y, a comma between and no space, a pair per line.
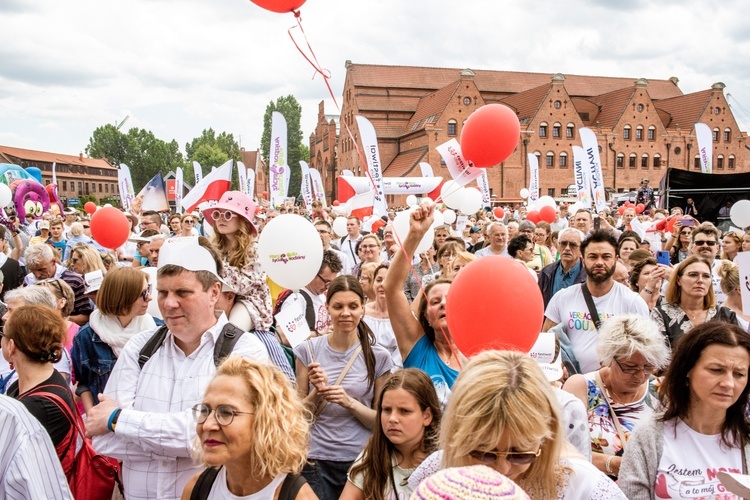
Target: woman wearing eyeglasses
252,434
187,225
174,222
630,349
689,301
503,414
122,303
369,251
235,237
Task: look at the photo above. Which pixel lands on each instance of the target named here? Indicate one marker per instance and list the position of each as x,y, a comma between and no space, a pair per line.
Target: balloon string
456,188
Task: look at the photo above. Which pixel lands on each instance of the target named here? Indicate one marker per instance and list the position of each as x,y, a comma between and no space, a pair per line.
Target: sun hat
475,482
187,252
70,211
44,224
236,202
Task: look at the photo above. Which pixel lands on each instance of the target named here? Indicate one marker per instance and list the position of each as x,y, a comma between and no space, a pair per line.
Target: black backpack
289,488
229,336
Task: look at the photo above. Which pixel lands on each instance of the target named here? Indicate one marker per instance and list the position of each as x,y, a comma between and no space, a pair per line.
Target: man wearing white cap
144,416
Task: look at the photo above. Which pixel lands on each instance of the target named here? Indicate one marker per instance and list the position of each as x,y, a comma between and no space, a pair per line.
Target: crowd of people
200,394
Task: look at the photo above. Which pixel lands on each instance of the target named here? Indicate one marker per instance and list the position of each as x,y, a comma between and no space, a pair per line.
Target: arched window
626,133
556,128
550,159
730,162
651,133
644,160
720,162
620,160
563,160
639,133
727,134
657,160
716,134
543,129
697,162
631,160
452,127
570,131
538,157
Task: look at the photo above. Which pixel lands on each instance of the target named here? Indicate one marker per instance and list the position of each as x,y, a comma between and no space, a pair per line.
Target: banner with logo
372,156
484,186
705,147
178,183
242,177
278,168
318,190
582,177
458,166
306,185
198,170
125,185
594,164
348,186
250,186
533,179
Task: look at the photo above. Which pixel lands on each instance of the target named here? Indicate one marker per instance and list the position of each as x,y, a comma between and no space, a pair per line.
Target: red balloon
109,227
671,221
490,135
547,214
264,194
474,323
90,207
640,208
628,204
621,209
533,216
280,6
499,212
336,203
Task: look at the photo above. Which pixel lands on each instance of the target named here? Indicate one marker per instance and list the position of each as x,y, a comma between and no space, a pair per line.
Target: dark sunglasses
145,293
704,242
513,457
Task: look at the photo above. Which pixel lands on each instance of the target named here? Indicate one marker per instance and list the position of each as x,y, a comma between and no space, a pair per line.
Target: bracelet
650,292
607,467
664,240
112,422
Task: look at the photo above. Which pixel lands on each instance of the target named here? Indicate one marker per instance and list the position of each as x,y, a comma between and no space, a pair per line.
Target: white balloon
453,194
5,195
411,200
401,226
545,201
290,251
449,216
472,201
107,205
339,226
524,193
740,213
439,219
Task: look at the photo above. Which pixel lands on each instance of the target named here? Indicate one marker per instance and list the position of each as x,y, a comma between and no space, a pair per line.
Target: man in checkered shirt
144,416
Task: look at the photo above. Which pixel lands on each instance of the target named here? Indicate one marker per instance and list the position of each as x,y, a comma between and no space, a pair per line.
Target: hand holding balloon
422,218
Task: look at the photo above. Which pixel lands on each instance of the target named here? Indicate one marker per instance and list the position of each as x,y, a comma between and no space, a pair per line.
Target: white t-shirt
690,463
569,308
484,252
220,490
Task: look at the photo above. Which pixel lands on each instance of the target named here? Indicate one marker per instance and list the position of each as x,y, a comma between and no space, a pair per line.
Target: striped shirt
155,430
29,467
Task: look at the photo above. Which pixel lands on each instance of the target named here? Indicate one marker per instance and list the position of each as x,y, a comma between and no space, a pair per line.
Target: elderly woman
730,285
624,391
731,245
252,433
689,301
65,299
445,254
646,279
676,453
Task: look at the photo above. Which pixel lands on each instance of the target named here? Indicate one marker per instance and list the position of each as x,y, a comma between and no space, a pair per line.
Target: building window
538,157
551,192
639,133
65,186
639,107
730,163
626,133
644,161
558,104
727,135
467,101
564,191
716,134
451,127
105,188
651,133
550,159
543,129
100,187
556,130
570,131
657,160
563,160
620,160
631,162
93,187
720,162
80,187
697,162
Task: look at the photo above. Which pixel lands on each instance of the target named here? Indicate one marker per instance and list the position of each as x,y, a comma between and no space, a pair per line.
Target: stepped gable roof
46,157
612,105
527,104
405,162
508,82
687,109
432,105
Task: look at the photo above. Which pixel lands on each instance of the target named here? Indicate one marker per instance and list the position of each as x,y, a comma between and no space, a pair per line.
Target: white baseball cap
93,281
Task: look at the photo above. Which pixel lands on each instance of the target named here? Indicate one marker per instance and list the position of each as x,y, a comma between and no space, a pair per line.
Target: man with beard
568,270
569,307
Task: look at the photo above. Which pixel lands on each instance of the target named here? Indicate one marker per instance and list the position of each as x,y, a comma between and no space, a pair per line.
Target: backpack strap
228,338
153,345
291,486
309,310
205,482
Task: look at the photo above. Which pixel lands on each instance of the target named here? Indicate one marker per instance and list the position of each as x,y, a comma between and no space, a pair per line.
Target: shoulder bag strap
612,413
592,307
323,402
291,486
153,344
205,482
228,338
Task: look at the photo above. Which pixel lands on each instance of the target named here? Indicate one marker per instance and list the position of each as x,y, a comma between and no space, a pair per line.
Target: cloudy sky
175,68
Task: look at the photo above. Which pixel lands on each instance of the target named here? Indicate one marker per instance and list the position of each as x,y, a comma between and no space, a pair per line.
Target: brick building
323,149
643,126
253,160
76,175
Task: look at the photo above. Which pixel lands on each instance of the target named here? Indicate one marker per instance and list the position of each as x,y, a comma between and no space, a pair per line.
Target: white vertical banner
582,177
372,156
458,166
705,147
318,190
178,183
594,164
278,169
54,172
426,169
743,261
242,176
250,186
484,186
533,179
198,172
125,185
306,185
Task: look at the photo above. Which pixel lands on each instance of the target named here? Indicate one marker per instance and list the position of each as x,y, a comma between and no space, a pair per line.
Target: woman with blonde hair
366,278
253,432
730,285
84,258
66,298
731,245
503,414
188,222
458,262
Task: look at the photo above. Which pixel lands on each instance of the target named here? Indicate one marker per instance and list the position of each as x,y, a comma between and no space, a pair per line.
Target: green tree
211,150
292,111
109,143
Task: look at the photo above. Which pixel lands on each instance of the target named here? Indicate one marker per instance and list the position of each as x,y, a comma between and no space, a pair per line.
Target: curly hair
281,428
239,251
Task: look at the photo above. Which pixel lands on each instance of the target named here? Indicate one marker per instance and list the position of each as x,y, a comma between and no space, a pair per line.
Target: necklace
695,314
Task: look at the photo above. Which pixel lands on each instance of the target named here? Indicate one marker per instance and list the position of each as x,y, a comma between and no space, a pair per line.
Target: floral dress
249,283
604,438
674,322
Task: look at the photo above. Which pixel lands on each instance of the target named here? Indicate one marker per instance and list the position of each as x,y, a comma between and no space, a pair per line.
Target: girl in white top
377,318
